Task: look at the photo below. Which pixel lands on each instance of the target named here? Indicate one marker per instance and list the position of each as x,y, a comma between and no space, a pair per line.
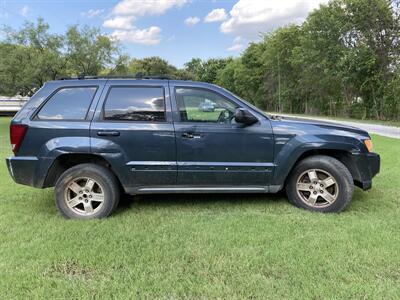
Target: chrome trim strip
23,158
152,163
223,164
200,163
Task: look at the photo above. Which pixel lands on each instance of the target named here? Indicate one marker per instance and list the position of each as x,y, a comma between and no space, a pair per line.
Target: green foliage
31,56
206,70
88,51
391,99
151,66
340,62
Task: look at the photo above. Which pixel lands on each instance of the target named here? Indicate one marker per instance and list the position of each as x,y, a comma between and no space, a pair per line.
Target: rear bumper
23,169
367,166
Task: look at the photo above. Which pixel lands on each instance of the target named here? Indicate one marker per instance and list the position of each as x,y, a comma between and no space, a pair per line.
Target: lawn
203,246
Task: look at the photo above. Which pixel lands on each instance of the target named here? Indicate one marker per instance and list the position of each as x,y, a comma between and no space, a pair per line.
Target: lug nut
321,185
315,192
90,196
321,191
315,182
80,192
311,187
80,198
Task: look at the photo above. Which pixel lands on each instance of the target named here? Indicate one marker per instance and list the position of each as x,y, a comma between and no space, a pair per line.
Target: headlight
368,144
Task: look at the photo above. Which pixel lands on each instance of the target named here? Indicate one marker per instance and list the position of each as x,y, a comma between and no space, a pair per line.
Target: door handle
108,133
191,135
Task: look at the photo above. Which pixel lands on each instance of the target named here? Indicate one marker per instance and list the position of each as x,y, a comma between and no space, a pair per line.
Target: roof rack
136,76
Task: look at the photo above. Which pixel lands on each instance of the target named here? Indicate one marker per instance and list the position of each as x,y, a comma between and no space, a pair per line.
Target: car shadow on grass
197,201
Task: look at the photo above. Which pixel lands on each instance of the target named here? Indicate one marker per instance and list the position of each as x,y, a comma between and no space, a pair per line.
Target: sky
176,30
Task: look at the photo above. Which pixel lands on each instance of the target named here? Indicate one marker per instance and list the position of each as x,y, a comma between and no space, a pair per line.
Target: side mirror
243,116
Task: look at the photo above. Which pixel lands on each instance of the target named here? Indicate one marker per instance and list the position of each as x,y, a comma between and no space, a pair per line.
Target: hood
298,121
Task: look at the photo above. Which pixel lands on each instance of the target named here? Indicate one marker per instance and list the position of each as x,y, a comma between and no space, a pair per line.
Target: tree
152,66
206,70
30,57
89,51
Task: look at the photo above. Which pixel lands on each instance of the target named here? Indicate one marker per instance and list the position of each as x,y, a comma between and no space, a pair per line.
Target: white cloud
238,44
126,12
149,7
238,40
216,15
24,11
248,18
119,22
147,36
91,13
171,38
191,21
235,47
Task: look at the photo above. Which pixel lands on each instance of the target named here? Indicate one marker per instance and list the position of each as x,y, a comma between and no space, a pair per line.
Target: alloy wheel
84,196
317,188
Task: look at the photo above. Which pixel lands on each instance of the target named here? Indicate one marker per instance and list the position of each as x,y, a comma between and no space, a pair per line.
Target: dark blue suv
96,138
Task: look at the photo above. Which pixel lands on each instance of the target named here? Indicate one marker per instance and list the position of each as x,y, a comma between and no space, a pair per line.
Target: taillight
17,133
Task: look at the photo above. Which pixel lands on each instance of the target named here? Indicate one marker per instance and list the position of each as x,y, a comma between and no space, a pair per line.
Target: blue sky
175,30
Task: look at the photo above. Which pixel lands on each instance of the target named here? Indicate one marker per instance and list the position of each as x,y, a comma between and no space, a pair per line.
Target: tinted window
199,105
68,104
135,104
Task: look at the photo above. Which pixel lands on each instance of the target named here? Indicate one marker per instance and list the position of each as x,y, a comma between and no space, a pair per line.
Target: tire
320,183
87,191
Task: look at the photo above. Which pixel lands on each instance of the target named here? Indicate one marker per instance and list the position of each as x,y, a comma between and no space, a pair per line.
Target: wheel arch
285,161
344,156
65,161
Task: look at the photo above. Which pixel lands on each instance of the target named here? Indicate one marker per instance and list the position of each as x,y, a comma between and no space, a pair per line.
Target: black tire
102,176
344,183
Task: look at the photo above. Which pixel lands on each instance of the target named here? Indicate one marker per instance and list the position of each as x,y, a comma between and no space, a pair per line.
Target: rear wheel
87,191
320,183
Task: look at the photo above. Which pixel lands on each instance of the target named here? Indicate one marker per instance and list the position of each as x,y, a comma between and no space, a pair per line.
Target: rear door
133,130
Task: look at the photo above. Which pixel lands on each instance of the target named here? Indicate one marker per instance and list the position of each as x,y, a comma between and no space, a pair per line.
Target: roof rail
136,76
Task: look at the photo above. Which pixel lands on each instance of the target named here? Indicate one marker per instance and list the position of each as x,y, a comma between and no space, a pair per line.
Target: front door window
202,106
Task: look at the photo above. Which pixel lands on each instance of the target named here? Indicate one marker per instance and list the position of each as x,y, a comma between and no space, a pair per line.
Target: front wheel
320,183
87,191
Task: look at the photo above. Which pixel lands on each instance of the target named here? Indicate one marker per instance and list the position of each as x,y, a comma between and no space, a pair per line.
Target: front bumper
367,165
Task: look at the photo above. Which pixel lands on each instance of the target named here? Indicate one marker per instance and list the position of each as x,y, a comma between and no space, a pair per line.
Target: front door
214,150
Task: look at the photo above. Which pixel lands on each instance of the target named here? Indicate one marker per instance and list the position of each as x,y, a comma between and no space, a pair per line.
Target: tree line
342,61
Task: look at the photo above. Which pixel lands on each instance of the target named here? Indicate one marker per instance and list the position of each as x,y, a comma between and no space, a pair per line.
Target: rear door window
69,103
135,104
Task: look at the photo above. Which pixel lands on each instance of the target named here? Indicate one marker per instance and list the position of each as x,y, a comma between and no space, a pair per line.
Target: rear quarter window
69,103
135,104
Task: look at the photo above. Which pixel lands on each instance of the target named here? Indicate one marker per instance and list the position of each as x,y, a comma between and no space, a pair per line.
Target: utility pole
279,84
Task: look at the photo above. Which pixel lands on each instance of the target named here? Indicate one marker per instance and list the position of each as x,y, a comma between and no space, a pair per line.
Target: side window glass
200,105
135,104
70,103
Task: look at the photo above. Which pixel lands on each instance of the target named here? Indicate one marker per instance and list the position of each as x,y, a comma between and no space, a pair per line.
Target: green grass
378,122
203,246
194,114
